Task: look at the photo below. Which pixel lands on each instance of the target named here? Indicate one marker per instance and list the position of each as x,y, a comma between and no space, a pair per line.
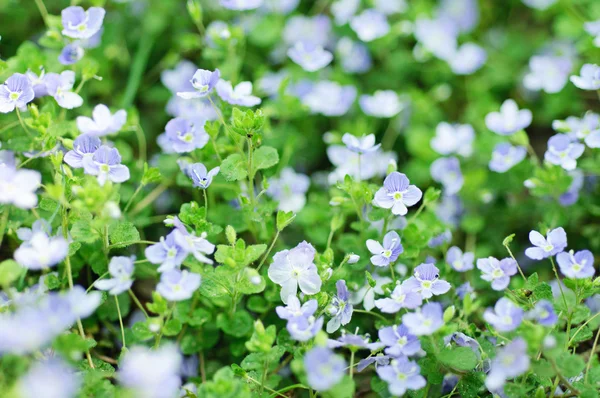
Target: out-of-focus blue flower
509,120
16,92
464,289
505,156
387,253
121,270
463,340
51,378
383,104
304,328
379,360
18,186
198,246
425,321
310,56
83,151
38,82
464,13
80,24
370,25
593,28
447,172
554,243
241,5
549,73
354,56
270,82
578,265
498,272
402,297
360,145
241,94
183,136
450,209
539,4
102,121
41,251
366,294
177,285
203,81
390,7
340,309
572,195
458,260
324,369
344,10
505,317
440,239
167,253
579,128
200,176
563,152
397,194
510,361
41,225
294,267
289,190
179,79
106,165
281,6
399,341
347,162
315,29
151,373
438,36
402,375
425,280
71,53
589,77
60,87
453,139
467,59
294,309
543,313
354,341
329,98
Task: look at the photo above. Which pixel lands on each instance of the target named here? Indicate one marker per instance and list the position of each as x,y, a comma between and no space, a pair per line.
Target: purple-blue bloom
447,172
203,82
304,328
38,82
289,190
241,94
593,28
510,362
41,251
354,341
200,176
102,122
50,378
183,136
505,156
458,260
198,246
324,369
467,59
505,317
463,340
370,25
241,5
80,24
571,196
578,265
310,56
71,53
121,271
387,253
549,73
177,285
402,375
425,321
360,145
440,239
83,151
509,120
402,297
399,341
563,152
589,77
16,92
382,104
60,87
340,308
167,253
293,309
353,55
437,36
329,98
315,29
554,243
425,281
106,165
18,186
543,313
498,272
397,194
453,139
464,289
293,268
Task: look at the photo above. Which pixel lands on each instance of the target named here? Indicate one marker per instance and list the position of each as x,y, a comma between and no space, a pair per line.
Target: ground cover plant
285,198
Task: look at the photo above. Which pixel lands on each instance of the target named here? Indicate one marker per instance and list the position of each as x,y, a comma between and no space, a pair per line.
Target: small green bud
449,313
195,10
230,235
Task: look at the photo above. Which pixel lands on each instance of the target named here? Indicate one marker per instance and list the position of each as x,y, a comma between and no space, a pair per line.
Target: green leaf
151,174
82,231
459,358
123,234
570,365
370,280
158,305
284,219
431,195
542,291
265,157
470,384
238,325
10,271
172,327
234,168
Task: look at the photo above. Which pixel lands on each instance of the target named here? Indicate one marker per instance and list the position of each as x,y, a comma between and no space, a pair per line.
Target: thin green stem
142,145
592,355
152,196
275,393
23,123
579,329
120,321
43,12
205,203
288,388
518,266
351,370
137,191
92,285
133,242
4,223
370,313
392,271
268,251
137,302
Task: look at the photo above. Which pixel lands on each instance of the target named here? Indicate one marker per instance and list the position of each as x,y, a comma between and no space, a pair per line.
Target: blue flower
361,145
340,308
437,36
16,92
399,341
102,121
370,25
203,82
402,375
554,243
543,313
324,369
397,194
578,265
201,177
83,151
18,186
241,5
497,272
315,29
176,285
563,152
510,362
505,156
310,56
440,239
382,104
589,77
121,269
447,172
458,260
80,24
198,246
425,281
402,297
241,94
549,73
41,251
49,378
453,139
387,253
467,59
593,28
106,165
60,87
464,289
329,98
425,321
183,136
344,10
289,190
71,53
38,82
295,310
509,120
354,56
167,253
505,317
304,328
